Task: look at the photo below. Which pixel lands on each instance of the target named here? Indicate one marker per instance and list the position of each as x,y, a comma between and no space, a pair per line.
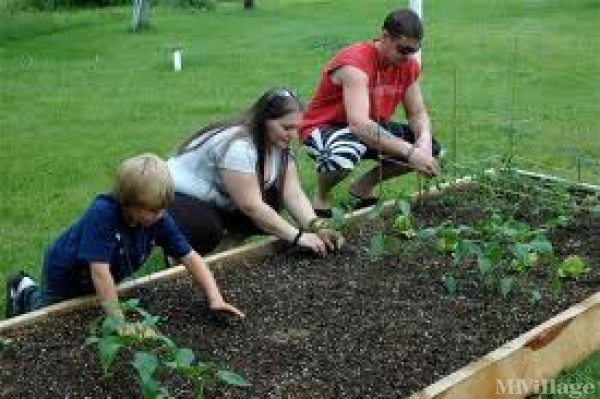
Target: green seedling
377,245
152,353
448,241
338,221
5,344
572,267
525,263
506,286
449,283
403,226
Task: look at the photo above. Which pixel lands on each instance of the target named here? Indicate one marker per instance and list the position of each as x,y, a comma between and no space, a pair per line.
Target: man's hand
423,162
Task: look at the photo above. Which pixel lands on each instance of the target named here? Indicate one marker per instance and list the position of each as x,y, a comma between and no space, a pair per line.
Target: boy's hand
224,307
137,330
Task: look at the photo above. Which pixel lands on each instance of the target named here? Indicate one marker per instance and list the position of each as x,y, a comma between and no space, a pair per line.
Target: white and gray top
197,173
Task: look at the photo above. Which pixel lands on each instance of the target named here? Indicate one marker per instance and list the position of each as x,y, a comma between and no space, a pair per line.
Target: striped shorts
335,148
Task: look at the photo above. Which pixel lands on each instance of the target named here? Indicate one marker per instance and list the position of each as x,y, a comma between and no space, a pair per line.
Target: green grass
79,93
589,369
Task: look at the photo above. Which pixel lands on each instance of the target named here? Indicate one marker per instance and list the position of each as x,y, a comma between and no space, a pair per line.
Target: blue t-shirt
102,235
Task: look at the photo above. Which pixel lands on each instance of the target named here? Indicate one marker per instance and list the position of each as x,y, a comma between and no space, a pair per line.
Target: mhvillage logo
572,385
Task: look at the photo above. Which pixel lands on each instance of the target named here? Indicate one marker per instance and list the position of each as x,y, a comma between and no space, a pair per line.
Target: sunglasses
407,50
286,93
283,93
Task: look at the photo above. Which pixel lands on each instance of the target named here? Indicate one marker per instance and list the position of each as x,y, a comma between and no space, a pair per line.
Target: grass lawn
79,93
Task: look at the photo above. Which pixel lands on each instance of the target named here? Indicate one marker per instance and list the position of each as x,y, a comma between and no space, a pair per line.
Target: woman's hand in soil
333,239
313,242
226,308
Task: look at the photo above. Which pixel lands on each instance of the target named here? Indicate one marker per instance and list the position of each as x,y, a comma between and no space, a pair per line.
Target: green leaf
5,343
449,283
555,284
426,233
184,357
494,252
521,250
534,296
404,207
231,378
572,267
111,323
541,245
448,241
484,264
403,226
145,363
108,348
377,211
131,304
506,286
338,220
90,341
377,246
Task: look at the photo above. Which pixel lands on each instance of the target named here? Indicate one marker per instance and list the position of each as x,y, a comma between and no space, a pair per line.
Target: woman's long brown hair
273,104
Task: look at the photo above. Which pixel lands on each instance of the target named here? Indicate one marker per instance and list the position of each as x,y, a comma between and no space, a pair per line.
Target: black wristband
297,238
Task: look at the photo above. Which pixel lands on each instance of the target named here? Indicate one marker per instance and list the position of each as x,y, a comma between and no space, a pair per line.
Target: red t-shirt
386,88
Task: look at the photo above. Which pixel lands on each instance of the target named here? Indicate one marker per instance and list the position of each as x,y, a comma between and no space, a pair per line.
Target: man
349,117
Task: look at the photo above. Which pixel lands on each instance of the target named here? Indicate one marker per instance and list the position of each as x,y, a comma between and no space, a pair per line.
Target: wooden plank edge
540,176
541,353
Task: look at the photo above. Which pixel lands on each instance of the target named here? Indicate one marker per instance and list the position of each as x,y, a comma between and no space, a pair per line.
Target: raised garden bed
356,324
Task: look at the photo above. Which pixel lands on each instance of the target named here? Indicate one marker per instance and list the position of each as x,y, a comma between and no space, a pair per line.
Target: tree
248,4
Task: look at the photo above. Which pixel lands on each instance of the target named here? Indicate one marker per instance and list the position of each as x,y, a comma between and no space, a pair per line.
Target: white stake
417,6
177,58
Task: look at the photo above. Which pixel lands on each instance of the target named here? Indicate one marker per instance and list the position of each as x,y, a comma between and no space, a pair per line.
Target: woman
236,175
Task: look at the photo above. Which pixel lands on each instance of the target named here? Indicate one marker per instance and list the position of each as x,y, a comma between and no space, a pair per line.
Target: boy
111,241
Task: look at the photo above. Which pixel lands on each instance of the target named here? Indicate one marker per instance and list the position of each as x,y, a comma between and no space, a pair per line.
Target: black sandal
324,213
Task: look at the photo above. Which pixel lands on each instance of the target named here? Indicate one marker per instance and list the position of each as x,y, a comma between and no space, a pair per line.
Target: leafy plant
449,283
5,344
447,241
496,251
152,352
572,267
338,220
377,245
403,226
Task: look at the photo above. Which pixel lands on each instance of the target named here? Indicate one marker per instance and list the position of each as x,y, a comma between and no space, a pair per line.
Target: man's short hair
144,181
403,22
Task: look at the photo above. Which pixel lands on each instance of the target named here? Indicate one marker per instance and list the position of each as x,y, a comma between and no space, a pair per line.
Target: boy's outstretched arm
204,278
106,289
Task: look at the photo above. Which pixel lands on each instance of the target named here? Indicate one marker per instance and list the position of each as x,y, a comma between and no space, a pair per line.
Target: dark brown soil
347,326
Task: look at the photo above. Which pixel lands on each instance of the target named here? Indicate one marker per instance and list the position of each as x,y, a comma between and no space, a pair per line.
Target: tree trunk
248,4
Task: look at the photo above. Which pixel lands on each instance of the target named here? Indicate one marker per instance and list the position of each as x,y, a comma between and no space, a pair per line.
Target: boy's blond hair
144,181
